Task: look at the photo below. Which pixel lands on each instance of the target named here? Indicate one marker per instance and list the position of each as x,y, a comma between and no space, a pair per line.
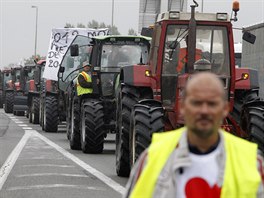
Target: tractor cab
187,43
110,53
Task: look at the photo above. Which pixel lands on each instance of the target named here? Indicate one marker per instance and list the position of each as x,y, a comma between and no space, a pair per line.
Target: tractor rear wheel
75,136
35,110
51,117
9,102
127,97
92,126
145,120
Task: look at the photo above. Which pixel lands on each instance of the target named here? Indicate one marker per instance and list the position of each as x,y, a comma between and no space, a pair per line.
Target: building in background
253,54
149,10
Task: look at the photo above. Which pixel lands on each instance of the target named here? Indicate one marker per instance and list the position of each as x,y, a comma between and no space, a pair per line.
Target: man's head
204,105
86,66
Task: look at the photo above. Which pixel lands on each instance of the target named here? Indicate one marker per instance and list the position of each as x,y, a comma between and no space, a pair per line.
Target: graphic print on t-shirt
200,179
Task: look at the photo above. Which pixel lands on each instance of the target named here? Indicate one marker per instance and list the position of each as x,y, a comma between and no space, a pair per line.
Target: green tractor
91,116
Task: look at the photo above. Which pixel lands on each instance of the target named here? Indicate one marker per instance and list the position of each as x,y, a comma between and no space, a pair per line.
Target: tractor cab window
115,55
71,63
30,74
7,77
17,75
211,44
122,55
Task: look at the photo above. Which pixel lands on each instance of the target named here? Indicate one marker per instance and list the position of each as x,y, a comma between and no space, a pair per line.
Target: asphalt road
36,164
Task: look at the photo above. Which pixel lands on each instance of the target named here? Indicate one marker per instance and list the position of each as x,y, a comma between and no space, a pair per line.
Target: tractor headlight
174,15
221,16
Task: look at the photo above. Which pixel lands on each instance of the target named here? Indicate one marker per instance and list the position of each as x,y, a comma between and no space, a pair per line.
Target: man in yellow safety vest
200,160
84,81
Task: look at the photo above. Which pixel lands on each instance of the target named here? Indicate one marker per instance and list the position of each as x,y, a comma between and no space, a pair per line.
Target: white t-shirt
199,180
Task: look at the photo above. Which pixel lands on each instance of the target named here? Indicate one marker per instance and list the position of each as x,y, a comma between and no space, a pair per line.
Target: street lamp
112,25
36,31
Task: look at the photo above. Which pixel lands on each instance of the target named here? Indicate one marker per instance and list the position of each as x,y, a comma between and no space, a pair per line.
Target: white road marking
11,160
27,128
107,180
23,125
19,122
55,186
52,174
49,165
44,158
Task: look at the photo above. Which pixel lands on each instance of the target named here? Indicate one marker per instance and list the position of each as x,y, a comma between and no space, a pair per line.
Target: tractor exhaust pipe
191,42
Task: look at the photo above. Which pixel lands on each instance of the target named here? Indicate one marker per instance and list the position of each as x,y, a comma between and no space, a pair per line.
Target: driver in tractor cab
117,56
84,80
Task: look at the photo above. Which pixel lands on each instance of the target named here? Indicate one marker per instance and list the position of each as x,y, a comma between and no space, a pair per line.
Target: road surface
39,164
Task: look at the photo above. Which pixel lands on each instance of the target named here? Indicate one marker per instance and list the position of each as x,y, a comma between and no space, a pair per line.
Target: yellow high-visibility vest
241,177
81,90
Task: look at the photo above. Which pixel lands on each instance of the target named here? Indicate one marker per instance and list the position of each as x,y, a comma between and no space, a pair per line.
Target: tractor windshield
17,75
117,55
7,77
211,44
30,75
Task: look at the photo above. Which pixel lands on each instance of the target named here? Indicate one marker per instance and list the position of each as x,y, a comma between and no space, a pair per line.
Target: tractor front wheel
51,117
75,136
1,99
92,126
35,110
9,102
145,120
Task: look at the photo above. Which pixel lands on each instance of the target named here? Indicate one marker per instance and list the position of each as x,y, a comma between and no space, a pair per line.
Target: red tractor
52,103
149,95
5,84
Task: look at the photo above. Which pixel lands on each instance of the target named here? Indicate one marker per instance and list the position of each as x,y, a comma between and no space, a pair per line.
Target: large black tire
51,114
1,99
145,120
9,102
92,126
253,124
35,110
127,97
75,136
249,113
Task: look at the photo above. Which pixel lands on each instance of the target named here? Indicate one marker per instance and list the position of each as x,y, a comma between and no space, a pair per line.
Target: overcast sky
17,20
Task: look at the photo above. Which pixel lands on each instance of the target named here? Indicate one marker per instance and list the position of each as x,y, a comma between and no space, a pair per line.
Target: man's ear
226,109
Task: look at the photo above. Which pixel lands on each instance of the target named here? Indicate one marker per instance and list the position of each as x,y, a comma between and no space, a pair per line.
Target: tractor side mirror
147,31
37,76
70,62
247,36
74,49
62,69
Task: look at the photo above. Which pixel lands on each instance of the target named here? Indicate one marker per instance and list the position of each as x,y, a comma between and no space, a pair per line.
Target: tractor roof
183,16
40,62
120,36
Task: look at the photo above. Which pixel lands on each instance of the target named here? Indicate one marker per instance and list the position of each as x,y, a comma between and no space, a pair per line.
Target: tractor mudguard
251,83
135,76
151,102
